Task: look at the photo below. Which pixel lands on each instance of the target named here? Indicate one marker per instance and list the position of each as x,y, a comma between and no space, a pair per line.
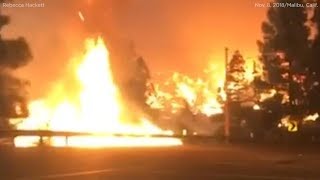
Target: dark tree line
14,53
314,95
285,47
291,55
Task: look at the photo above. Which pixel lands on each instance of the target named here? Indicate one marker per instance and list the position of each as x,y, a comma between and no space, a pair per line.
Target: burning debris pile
88,100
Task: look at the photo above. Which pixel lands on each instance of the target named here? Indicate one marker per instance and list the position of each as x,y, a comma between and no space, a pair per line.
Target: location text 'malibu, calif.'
285,5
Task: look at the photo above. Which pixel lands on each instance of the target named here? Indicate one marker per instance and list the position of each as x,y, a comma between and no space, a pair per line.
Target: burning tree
285,53
238,83
133,85
290,53
242,97
138,83
314,75
14,53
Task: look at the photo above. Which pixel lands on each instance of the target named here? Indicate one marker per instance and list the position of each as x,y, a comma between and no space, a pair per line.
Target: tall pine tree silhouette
14,53
314,75
285,49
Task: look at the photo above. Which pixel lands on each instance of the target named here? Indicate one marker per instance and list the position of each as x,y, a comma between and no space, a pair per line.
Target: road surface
215,161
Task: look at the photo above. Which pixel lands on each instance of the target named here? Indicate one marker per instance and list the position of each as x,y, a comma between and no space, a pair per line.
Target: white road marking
64,175
166,172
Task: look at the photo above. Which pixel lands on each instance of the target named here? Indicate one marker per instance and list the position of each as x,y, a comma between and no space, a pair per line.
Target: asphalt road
213,161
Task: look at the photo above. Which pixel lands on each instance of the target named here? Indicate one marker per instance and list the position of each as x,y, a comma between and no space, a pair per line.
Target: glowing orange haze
171,35
91,103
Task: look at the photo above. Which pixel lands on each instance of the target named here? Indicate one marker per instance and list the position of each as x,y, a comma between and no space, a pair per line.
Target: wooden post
226,105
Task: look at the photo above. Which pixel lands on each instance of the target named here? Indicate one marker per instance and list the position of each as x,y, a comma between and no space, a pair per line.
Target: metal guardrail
42,134
47,133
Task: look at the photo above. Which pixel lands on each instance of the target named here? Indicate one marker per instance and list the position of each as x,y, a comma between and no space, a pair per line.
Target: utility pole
226,104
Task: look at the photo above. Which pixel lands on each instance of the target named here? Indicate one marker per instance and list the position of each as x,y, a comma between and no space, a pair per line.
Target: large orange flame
207,95
90,102
204,96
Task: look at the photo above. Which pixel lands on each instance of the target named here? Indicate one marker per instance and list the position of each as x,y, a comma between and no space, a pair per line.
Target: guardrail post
41,143
67,141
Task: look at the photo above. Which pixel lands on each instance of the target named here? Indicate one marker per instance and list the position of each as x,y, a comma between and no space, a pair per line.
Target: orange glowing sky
172,35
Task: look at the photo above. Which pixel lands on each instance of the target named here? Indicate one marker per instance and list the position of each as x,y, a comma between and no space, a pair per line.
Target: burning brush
90,103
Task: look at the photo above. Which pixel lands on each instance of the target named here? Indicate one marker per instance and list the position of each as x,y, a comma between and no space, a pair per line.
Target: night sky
172,35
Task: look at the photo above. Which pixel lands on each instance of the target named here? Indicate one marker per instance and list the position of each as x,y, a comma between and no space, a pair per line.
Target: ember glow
256,107
89,101
289,124
267,95
312,117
